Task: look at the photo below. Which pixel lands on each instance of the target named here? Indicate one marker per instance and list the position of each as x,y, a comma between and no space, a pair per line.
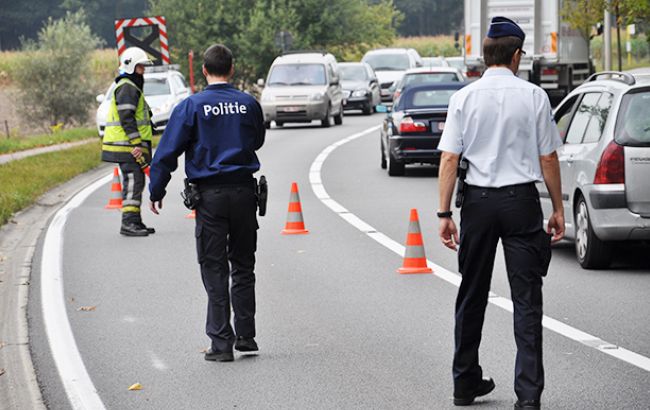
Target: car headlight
316,97
359,93
267,97
167,107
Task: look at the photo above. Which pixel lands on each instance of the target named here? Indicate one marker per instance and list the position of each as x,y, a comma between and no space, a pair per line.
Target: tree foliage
430,17
53,74
249,27
585,14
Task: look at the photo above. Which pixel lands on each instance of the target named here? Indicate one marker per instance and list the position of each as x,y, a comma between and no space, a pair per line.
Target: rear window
428,78
431,98
353,72
633,122
297,74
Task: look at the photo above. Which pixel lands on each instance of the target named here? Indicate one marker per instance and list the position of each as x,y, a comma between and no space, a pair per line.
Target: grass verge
22,143
25,180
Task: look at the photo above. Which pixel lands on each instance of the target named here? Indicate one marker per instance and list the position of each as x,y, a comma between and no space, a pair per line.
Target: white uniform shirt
501,124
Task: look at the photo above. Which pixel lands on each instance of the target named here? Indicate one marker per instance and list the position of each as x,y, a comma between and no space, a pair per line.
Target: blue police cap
504,27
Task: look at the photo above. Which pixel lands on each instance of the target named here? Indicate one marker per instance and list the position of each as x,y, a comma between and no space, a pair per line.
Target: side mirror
260,82
100,98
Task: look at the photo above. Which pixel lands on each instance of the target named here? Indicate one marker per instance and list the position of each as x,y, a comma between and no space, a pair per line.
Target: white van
389,65
301,87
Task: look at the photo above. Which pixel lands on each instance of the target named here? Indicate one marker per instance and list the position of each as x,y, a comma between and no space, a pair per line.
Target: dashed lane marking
316,181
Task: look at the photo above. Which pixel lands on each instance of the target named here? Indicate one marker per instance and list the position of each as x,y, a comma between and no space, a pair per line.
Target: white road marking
316,181
75,378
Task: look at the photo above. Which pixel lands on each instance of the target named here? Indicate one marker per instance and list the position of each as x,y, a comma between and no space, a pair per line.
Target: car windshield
297,74
156,86
388,62
431,98
428,78
633,123
353,72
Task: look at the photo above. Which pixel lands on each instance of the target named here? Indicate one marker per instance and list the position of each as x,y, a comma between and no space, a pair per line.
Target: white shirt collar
494,71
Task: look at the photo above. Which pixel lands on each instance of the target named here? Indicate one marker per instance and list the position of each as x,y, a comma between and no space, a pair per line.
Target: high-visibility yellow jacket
128,124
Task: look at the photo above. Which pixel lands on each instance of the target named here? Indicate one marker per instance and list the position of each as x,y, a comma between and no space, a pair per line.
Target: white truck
557,56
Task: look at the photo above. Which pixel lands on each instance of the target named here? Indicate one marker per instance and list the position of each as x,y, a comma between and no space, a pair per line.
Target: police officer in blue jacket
219,130
503,127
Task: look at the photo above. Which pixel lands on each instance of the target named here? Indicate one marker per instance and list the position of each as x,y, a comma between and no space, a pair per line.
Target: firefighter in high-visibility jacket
127,137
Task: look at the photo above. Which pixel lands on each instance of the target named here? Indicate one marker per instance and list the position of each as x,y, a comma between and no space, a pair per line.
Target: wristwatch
446,214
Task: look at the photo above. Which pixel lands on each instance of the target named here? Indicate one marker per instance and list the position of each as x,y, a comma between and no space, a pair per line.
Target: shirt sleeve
548,137
451,140
259,124
173,143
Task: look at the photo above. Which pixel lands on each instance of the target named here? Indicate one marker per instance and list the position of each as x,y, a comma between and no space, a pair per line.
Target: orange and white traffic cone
191,215
115,202
415,260
295,224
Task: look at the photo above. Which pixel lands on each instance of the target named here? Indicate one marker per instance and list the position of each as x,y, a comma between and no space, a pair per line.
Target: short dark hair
499,51
217,60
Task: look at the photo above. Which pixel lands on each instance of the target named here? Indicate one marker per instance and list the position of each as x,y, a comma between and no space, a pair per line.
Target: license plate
290,109
384,92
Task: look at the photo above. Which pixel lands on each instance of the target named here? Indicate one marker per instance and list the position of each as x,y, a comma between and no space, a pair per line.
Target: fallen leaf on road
136,386
301,251
71,299
3,258
204,350
86,308
2,344
2,371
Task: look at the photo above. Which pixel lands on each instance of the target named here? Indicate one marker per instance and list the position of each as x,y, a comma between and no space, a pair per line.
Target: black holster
262,194
460,188
191,195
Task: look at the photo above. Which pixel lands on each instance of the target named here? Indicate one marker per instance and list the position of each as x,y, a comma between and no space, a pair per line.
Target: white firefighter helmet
131,57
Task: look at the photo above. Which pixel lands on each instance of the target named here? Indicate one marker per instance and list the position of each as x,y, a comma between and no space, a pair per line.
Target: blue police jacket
219,130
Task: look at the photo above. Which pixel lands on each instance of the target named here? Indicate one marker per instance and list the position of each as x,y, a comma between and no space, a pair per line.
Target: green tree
54,75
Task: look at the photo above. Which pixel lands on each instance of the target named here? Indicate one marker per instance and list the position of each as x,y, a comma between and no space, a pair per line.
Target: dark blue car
411,131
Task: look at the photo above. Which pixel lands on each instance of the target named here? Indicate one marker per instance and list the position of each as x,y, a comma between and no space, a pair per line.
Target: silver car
605,164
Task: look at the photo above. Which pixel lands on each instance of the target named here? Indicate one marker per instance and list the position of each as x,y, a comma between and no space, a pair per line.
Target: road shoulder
18,242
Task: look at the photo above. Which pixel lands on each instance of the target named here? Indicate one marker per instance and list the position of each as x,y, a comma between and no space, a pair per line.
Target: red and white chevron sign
159,21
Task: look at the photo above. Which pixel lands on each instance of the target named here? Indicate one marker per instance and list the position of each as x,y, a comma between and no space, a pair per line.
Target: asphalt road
338,328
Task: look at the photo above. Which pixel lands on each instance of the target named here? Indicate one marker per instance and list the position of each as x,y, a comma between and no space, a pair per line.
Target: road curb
19,387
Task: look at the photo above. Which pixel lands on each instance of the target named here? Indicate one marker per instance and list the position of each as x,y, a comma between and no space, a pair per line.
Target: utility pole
607,40
618,39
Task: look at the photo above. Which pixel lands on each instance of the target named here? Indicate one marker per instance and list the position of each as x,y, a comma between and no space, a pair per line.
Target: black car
360,87
411,132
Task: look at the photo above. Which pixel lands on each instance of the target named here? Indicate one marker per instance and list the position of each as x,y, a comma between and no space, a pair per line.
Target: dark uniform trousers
512,214
226,240
132,187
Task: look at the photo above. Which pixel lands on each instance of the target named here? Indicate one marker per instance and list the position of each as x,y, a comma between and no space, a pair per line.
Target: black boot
149,229
133,229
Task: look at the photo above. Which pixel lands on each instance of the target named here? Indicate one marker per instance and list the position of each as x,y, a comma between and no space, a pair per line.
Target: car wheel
279,123
383,156
367,109
327,121
592,253
395,167
338,119
267,125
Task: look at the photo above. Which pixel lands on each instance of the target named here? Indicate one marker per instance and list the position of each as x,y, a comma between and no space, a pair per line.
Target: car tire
279,124
267,125
383,163
591,252
367,109
395,167
338,119
327,121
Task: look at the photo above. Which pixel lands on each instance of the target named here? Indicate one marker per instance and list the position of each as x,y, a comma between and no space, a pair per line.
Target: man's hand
556,226
448,233
154,208
136,152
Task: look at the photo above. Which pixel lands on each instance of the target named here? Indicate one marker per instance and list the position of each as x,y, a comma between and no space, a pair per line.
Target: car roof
388,51
351,63
437,86
455,58
432,70
305,58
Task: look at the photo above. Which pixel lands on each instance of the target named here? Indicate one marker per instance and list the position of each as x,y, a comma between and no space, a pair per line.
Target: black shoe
133,229
527,405
149,230
246,344
219,357
483,388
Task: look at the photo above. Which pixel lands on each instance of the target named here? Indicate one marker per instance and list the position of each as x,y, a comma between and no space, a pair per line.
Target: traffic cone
295,224
116,192
414,259
191,215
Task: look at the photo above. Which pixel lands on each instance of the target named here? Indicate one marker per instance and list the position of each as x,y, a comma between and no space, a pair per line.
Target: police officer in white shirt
502,125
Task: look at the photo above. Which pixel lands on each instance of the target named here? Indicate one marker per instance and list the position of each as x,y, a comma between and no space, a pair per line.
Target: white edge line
317,185
75,378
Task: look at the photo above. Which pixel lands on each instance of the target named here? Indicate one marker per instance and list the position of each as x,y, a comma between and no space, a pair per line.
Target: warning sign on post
148,33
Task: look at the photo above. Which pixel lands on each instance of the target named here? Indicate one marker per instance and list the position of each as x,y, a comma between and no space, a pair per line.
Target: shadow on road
632,258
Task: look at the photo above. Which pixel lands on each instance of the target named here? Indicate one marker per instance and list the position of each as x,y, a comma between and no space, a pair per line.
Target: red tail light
611,168
549,71
473,74
408,125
